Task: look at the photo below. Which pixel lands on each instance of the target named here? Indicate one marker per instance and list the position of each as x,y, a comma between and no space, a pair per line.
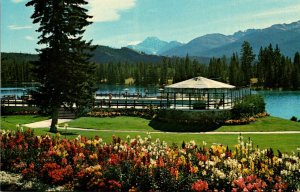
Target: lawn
139,124
283,142
113,123
10,122
264,124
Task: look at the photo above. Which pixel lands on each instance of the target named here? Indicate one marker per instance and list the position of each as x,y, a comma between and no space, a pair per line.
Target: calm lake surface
284,104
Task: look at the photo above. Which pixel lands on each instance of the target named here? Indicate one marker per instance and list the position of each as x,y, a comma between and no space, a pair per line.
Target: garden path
45,123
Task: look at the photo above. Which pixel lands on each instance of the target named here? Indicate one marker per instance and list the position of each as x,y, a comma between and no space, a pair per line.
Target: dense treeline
176,69
16,67
269,69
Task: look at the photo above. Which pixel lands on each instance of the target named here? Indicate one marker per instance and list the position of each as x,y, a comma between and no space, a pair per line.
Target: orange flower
200,186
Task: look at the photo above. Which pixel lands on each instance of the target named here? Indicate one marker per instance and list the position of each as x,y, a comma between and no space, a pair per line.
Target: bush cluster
248,106
10,110
200,120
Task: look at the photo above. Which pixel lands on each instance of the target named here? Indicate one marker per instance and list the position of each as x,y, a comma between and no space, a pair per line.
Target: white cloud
279,11
17,1
15,27
108,10
30,38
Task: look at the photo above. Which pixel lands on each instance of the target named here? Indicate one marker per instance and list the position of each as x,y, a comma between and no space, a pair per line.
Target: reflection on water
284,104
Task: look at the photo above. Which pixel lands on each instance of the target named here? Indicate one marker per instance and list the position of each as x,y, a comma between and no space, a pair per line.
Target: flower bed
144,165
144,113
246,120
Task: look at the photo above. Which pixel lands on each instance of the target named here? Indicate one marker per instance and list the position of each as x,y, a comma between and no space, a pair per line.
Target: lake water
284,104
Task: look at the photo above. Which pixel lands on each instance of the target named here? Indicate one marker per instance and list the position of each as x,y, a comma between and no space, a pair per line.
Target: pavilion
212,94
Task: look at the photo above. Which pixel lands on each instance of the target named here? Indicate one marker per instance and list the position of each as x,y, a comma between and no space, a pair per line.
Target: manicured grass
10,122
139,124
112,123
264,125
283,142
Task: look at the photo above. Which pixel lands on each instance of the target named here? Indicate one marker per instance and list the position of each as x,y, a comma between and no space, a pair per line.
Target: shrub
294,118
11,110
248,106
196,120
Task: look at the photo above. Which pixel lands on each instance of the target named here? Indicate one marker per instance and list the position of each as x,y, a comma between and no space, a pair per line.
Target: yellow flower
246,171
194,169
82,144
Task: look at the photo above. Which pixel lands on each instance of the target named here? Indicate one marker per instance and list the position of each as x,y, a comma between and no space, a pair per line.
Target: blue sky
118,23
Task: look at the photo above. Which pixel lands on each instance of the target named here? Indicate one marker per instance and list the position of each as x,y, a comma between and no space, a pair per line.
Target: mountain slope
200,44
287,36
104,54
153,45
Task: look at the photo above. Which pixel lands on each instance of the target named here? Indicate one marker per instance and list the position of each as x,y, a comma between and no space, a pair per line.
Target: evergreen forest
269,69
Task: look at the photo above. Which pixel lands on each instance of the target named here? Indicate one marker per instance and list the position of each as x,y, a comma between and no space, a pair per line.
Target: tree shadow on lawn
63,133
68,133
183,127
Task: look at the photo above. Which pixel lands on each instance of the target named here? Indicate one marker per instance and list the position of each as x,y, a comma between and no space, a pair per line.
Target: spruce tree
296,71
63,70
247,57
234,71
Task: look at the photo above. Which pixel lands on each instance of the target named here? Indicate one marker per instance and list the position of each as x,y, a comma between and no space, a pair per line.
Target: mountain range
286,36
153,45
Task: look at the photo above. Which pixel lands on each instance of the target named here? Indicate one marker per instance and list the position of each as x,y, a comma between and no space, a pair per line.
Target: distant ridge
153,45
287,36
102,54
105,54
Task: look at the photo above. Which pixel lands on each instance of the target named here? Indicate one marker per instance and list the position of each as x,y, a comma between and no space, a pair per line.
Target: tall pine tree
63,69
247,57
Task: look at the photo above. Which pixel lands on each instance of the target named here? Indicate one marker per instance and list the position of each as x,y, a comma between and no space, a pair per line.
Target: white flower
284,172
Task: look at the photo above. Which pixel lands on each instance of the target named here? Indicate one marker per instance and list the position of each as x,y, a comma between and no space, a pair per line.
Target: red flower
114,184
113,159
200,186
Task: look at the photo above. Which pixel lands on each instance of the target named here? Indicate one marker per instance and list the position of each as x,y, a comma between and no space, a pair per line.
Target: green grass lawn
283,142
10,122
139,124
112,123
264,125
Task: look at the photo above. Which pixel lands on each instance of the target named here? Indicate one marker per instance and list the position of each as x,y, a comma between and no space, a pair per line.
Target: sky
118,23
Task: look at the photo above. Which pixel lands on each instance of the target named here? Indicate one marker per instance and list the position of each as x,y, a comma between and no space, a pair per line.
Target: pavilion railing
163,100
